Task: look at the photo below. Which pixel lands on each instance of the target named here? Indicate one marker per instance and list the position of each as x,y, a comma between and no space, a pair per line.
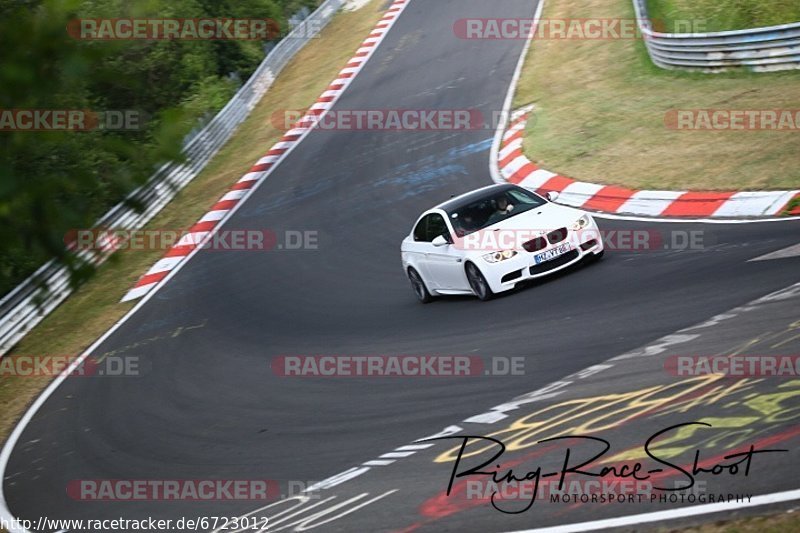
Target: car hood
541,220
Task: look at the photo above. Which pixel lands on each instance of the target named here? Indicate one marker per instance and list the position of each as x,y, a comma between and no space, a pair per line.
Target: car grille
535,245
561,260
557,236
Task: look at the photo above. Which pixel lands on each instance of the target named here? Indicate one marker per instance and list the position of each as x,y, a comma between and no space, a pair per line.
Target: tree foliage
55,181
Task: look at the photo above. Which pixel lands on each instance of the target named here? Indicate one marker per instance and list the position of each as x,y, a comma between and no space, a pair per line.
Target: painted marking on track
397,455
658,347
303,513
338,479
415,447
379,462
790,251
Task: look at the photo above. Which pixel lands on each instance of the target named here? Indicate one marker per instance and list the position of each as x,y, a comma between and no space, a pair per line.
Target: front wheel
419,286
478,283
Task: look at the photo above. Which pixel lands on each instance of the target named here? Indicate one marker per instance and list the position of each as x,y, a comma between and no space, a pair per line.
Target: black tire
478,283
598,257
418,286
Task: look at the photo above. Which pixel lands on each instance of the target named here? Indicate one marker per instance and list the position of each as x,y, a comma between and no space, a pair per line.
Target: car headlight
496,257
581,223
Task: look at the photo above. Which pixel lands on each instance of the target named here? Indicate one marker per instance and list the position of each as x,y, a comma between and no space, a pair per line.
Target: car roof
469,197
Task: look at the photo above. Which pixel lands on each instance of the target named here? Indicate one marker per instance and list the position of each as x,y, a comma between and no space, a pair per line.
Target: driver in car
502,208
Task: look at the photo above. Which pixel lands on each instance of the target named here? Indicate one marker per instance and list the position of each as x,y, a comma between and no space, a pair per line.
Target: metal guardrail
758,49
27,305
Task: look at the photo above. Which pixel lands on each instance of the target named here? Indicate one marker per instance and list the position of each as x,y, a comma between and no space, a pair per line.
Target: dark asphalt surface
624,401
210,405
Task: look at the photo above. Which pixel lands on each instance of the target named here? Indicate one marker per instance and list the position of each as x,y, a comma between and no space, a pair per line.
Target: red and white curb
516,168
202,230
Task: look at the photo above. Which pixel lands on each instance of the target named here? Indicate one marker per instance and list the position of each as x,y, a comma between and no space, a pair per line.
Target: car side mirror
552,196
439,241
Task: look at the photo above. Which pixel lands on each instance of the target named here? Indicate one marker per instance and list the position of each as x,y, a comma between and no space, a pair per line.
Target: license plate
551,254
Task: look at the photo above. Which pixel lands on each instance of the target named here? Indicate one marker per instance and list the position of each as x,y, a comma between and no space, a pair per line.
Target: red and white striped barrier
264,166
516,168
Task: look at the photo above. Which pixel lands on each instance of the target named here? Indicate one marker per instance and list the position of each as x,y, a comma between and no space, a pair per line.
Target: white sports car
488,240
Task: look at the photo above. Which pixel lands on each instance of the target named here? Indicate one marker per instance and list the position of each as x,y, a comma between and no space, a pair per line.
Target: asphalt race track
210,406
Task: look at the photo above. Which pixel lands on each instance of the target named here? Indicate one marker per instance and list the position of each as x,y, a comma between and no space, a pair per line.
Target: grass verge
721,15
601,107
778,523
94,308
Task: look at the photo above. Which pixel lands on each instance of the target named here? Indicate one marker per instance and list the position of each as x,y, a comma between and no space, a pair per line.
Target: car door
419,247
444,263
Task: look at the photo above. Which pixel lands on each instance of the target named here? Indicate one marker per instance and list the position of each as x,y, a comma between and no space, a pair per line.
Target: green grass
601,104
680,16
92,310
778,523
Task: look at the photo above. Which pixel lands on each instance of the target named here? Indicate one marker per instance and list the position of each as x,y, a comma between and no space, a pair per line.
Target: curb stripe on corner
516,168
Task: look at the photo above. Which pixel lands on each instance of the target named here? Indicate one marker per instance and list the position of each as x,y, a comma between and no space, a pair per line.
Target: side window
421,231
430,227
436,227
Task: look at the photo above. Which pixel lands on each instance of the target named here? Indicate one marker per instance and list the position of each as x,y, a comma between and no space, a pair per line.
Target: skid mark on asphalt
450,85
407,41
431,173
425,180
446,157
289,197
427,174
175,332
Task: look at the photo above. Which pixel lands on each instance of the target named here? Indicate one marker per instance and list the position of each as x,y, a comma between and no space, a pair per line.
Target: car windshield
495,206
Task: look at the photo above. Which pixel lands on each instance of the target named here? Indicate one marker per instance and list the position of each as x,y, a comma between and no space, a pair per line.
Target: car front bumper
504,275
